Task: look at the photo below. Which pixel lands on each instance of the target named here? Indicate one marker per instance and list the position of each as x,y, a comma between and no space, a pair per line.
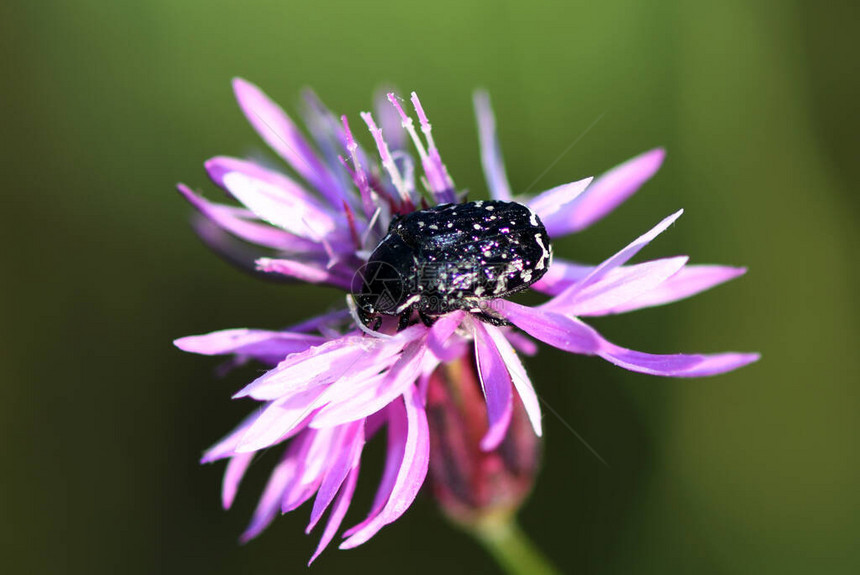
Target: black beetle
452,257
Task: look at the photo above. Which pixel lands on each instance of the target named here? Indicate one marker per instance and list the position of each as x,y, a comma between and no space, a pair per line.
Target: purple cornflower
334,383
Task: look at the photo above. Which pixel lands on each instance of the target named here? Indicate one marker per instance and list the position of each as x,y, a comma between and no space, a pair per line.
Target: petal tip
187,192
241,84
657,155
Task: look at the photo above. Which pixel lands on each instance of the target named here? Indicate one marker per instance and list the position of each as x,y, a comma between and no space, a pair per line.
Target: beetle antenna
353,311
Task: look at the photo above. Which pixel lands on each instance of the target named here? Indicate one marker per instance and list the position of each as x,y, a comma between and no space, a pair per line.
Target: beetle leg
404,320
426,319
362,314
490,319
377,323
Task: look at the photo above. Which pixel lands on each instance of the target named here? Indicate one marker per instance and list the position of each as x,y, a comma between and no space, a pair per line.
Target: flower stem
512,549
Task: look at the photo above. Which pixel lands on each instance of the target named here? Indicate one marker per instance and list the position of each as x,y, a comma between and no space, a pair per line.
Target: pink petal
345,459
352,401
550,327
441,340
338,512
522,343
491,152
312,464
284,205
518,376
560,275
226,447
241,224
410,477
310,272
254,342
607,192
570,334
328,134
268,506
617,287
233,250
233,475
690,281
555,205
623,256
676,365
354,398
312,459
395,451
278,420
283,136
319,365
496,384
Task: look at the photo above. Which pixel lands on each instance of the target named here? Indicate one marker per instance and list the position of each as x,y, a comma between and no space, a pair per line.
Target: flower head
337,380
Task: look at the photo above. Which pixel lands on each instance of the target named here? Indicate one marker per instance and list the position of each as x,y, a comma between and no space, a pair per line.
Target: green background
105,105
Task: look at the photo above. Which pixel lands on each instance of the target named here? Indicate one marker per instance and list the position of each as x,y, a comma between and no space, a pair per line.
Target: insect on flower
453,257
427,276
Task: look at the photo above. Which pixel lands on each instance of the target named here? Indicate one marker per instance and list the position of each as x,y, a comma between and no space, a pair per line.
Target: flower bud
472,486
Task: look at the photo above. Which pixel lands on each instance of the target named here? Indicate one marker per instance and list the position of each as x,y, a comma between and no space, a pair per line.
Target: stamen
332,257
360,177
353,230
370,225
426,129
409,126
435,181
385,156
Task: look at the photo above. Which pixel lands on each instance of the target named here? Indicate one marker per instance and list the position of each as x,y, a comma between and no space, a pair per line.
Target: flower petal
496,384
338,512
570,334
676,365
548,326
316,366
316,273
241,223
410,477
560,275
278,421
555,205
691,280
343,461
522,343
226,447
518,376
231,249
233,475
313,458
441,340
491,152
623,256
268,506
617,287
359,399
395,451
287,206
608,192
253,342
283,136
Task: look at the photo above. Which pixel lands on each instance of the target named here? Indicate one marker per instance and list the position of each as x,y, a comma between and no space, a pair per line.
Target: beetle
452,257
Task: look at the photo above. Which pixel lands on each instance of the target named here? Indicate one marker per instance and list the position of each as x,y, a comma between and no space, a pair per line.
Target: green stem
512,549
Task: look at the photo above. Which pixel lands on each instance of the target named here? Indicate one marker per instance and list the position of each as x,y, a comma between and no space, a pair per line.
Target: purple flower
334,383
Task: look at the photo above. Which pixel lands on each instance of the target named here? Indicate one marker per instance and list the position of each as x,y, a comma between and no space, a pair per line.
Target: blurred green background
105,105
